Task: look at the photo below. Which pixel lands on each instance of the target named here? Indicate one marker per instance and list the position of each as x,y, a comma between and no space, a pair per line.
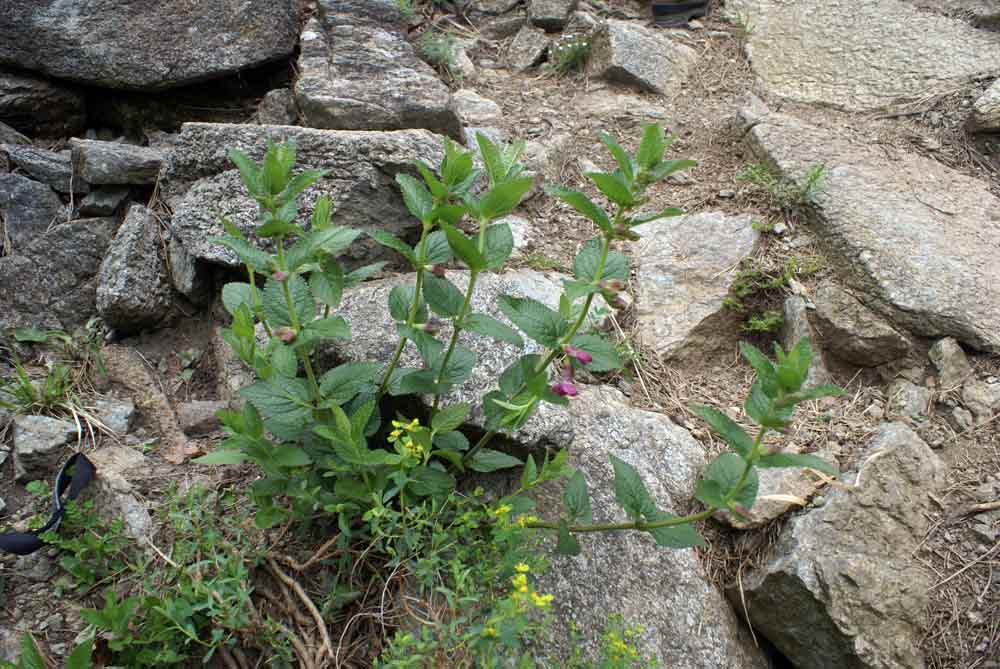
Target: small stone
115,414
104,200
779,228
527,48
962,419
113,495
797,327
985,115
36,568
473,109
278,108
907,400
197,417
983,399
40,445
854,333
50,167
952,365
550,14
727,194
115,162
639,56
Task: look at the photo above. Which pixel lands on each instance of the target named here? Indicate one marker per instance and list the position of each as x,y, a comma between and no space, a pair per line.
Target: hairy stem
293,317
455,331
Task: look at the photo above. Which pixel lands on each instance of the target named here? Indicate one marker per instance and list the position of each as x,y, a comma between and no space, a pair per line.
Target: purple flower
279,275
565,388
285,334
584,357
438,270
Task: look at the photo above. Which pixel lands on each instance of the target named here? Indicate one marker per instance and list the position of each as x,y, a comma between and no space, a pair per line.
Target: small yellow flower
541,601
522,568
490,631
523,520
520,582
502,510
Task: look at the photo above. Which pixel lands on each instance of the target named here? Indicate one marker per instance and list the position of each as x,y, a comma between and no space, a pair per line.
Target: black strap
75,475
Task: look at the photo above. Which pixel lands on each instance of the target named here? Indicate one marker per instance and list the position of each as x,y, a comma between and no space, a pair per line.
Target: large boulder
28,208
358,72
202,185
145,45
133,289
113,494
374,338
687,624
527,48
843,588
633,54
917,241
683,274
51,281
36,106
874,54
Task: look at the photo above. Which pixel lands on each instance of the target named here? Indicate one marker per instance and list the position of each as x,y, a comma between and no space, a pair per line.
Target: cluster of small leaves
569,53
32,658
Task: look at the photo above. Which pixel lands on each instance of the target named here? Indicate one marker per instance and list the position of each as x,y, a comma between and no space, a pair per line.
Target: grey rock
104,201
983,399
113,494
358,72
683,274
853,332
952,364
37,107
232,374
28,209
550,14
875,55
10,645
962,419
985,115
527,48
184,273
40,445
9,135
907,400
493,7
115,162
3,505
502,27
881,219
796,327
981,13
201,185
581,23
146,46
49,167
51,281
633,54
134,290
843,589
687,623
374,338
278,108
473,109
37,568
197,417
116,415
495,135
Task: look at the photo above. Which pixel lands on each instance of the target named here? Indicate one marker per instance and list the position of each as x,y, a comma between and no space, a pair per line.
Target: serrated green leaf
328,285
246,252
393,242
566,544
766,373
536,320
276,308
459,367
437,188
417,382
435,249
429,347
450,417
587,263
491,327
725,471
577,499
417,198
442,296
268,517
290,456
430,482
361,274
625,162
774,460
250,174
613,187
656,215
284,360
499,245
504,197
668,167
222,456
605,355
31,658
583,204
286,398
234,294
492,159
651,147
80,658
29,335
452,441
464,248
674,536
334,327
630,491
727,428
301,182
342,383
400,300
487,460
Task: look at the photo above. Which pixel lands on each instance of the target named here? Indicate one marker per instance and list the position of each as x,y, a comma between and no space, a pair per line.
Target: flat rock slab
115,162
683,273
843,589
686,622
28,208
860,55
50,167
632,54
36,106
51,282
202,185
373,337
145,45
358,72
918,241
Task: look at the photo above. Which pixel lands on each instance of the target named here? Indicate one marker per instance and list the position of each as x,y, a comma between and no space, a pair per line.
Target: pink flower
279,275
565,388
285,334
584,357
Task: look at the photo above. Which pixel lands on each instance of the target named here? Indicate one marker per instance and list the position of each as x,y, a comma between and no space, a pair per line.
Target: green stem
293,317
411,316
566,338
257,307
455,331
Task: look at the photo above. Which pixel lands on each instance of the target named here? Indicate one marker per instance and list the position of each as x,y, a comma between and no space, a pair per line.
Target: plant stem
293,317
455,331
257,308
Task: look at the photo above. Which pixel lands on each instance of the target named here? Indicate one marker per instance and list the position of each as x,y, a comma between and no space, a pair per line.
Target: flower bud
618,303
584,357
624,232
565,389
285,334
432,326
612,285
438,271
279,275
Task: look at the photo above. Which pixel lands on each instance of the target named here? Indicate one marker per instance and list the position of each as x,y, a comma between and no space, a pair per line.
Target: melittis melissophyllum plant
319,436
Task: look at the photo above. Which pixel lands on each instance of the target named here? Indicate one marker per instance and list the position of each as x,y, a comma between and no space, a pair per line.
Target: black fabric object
75,475
678,12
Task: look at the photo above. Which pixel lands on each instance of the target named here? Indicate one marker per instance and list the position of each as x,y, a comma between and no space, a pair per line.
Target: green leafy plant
439,50
769,321
32,657
784,193
189,360
569,54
